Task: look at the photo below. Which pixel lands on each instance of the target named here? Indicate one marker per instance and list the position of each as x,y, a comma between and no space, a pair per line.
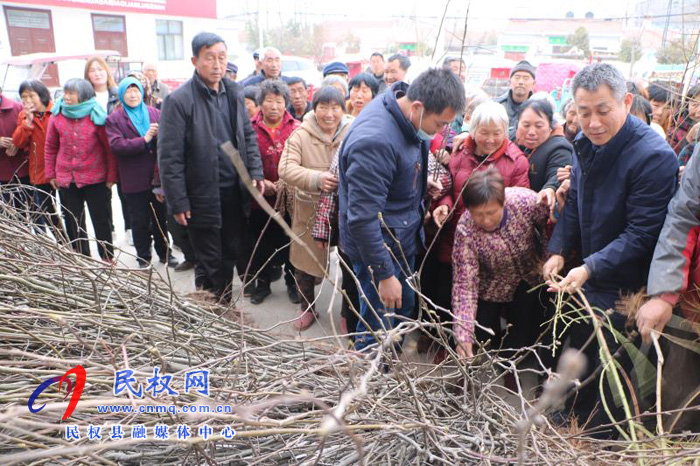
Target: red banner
198,9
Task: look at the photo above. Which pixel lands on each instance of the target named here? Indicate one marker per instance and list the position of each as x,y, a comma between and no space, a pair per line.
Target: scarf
139,114
88,108
470,147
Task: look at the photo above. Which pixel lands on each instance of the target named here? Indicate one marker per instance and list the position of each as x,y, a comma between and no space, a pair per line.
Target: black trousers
350,287
525,314
73,200
219,250
17,195
147,224
271,248
181,239
45,212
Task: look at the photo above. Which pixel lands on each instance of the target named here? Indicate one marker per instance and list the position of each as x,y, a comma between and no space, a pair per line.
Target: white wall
73,35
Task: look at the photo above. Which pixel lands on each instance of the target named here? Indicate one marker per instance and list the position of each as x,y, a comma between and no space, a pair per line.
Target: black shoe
143,263
172,262
249,290
275,273
184,266
293,294
261,292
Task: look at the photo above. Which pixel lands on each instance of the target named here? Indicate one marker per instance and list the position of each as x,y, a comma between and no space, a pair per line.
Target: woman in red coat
487,145
78,160
13,161
273,124
30,135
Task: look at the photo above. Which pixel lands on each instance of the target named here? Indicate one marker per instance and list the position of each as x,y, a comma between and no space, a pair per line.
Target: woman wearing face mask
304,166
496,255
543,143
133,134
79,163
486,145
30,135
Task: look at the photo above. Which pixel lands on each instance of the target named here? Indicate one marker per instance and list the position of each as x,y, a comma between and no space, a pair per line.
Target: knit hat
523,65
335,67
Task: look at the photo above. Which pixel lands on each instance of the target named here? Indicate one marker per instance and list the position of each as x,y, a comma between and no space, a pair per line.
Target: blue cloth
383,169
88,108
139,114
370,302
616,207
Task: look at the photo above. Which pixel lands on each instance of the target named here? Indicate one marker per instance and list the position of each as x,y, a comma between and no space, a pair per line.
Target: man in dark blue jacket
383,167
623,177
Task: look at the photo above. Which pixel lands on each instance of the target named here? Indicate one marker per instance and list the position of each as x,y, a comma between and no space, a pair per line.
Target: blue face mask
422,134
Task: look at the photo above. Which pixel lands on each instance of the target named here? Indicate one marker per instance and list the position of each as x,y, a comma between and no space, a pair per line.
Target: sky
481,10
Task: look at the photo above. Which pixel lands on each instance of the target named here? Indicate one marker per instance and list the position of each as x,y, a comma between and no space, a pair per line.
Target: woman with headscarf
132,130
79,163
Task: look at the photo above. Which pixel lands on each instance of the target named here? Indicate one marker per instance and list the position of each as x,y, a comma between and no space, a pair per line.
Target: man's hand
563,173
573,282
552,267
548,197
440,215
465,350
458,141
653,315
327,182
160,198
182,217
434,188
390,291
5,142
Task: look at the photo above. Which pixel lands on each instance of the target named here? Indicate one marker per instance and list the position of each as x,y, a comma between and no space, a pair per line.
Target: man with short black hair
376,67
457,66
203,190
622,179
522,81
383,165
299,95
396,68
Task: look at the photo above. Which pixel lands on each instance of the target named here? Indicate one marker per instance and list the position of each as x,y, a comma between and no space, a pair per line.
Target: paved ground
276,313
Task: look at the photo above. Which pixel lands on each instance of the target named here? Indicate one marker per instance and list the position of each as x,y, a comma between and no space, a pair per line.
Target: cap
335,67
523,65
231,68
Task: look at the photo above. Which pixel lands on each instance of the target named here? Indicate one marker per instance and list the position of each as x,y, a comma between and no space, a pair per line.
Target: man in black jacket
522,81
202,188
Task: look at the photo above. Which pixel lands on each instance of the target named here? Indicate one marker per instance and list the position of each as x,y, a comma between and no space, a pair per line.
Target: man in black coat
202,188
522,81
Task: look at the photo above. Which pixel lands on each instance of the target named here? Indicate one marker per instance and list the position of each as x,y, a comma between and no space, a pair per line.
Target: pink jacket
511,164
77,151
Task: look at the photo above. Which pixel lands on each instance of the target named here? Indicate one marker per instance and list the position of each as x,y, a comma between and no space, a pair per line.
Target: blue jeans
370,302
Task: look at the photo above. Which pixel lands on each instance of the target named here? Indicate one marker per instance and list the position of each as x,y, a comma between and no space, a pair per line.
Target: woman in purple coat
132,130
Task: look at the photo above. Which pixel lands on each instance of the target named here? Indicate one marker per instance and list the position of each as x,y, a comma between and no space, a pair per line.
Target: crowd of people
484,200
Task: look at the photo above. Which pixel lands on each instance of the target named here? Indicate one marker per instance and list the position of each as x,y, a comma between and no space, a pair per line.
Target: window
169,39
110,33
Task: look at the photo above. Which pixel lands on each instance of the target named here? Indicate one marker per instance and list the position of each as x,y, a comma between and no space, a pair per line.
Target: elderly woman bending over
498,245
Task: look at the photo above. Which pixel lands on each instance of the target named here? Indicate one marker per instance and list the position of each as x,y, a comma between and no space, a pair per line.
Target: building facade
157,31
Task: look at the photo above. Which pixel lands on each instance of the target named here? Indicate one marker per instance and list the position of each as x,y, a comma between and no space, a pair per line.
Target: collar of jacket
390,101
470,147
584,146
311,126
287,119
